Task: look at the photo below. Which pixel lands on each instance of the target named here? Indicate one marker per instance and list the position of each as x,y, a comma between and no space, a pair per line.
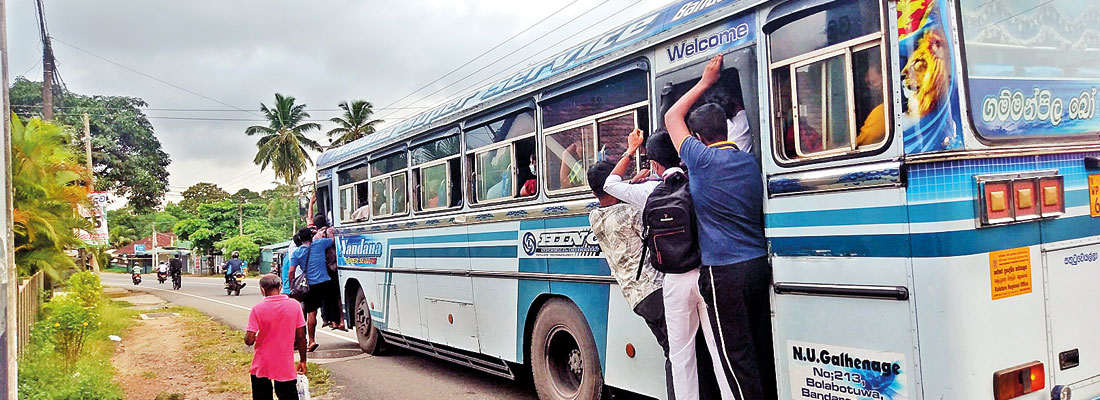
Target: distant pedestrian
274,326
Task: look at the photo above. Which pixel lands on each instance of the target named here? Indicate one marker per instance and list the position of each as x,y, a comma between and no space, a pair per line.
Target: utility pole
240,219
8,273
154,262
91,181
48,64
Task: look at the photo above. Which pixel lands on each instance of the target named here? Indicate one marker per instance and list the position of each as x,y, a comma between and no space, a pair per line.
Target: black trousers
326,297
737,296
652,310
284,390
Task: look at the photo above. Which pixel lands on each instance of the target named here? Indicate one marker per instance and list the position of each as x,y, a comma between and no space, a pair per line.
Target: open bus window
502,156
388,185
830,102
581,123
436,161
727,94
353,193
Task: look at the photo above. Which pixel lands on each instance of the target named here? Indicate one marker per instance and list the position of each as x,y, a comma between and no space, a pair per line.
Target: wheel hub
576,366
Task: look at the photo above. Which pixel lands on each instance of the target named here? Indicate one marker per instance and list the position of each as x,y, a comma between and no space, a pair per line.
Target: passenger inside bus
527,175
727,94
869,99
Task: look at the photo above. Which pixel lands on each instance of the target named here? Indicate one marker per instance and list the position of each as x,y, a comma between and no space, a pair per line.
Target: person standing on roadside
727,195
287,260
323,230
274,326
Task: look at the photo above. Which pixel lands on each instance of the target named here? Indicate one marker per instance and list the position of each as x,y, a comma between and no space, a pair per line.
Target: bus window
580,124
388,185
1032,68
827,75
502,153
353,193
434,161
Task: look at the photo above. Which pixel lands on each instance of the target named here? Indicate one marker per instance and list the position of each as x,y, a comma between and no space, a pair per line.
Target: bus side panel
965,336
644,373
403,295
446,301
495,300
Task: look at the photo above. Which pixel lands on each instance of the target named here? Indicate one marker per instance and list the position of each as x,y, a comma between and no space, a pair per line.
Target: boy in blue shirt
727,194
324,292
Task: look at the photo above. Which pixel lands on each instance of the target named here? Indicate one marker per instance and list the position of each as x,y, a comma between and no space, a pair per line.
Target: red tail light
1017,381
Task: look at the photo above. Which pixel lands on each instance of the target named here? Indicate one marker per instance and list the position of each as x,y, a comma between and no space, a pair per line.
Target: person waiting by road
727,196
287,259
233,266
324,292
276,328
323,230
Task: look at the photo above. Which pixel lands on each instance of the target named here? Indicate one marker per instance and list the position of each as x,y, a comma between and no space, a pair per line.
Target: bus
932,194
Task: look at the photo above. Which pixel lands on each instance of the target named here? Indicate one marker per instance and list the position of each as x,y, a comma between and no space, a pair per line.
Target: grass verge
220,350
42,374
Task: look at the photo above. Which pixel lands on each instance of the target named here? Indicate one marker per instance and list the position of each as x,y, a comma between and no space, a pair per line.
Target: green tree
177,211
202,193
281,204
127,157
245,196
215,222
47,187
354,124
250,252
283,144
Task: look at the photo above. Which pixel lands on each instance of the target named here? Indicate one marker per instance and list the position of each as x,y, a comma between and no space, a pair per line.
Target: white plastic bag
303,387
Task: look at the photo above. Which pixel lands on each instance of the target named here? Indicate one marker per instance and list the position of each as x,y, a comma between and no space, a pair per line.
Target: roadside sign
97,218
139,248
1094,195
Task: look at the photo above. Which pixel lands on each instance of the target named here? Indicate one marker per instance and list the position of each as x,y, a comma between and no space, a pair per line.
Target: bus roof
639,29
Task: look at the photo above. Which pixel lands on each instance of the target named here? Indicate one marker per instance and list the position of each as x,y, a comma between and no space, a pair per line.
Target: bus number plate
1094,195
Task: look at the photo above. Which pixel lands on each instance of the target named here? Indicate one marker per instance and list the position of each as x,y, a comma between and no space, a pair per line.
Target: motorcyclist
135,271
175,267
233,266
162,268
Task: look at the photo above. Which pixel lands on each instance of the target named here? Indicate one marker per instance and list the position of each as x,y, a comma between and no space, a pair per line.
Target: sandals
312,348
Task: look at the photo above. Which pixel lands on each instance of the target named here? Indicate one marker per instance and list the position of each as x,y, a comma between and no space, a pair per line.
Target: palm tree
355,123
47,187
283,143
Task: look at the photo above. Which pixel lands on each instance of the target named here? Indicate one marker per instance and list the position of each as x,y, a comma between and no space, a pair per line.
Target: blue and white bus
932,174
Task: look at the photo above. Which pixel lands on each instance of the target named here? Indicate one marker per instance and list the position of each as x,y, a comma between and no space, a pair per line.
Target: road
395,375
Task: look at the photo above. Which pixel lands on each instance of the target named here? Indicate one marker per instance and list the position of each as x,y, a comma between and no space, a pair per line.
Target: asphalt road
395,375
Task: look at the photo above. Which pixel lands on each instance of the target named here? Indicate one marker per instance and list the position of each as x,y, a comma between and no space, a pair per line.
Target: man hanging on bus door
727,195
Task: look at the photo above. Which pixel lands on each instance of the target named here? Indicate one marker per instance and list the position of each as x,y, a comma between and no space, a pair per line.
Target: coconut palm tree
355,123
47,187
283,142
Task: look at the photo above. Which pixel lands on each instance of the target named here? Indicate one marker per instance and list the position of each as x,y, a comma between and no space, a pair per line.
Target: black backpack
669,227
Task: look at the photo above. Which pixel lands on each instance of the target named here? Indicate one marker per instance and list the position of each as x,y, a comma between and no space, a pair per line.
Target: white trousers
684,312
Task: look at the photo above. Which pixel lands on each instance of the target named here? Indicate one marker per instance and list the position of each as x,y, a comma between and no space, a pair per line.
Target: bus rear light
1008,198
630,350
1017,381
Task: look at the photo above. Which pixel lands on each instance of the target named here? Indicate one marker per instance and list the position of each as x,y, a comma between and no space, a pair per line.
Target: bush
85,286
67,326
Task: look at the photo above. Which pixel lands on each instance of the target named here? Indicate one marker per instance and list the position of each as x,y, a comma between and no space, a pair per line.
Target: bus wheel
564,361
365,330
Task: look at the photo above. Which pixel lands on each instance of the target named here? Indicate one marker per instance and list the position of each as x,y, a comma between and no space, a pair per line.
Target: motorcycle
136,278
162,276
234,286
177,281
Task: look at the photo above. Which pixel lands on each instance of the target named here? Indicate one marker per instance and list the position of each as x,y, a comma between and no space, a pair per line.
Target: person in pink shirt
274,326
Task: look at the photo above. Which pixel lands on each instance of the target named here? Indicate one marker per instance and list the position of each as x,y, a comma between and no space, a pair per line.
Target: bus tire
365,330
565,363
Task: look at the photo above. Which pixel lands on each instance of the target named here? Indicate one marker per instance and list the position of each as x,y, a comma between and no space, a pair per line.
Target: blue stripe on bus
941,212
528,291
582,266
853,216
456,238
593,300
567,222
852,246
457,252
1060,229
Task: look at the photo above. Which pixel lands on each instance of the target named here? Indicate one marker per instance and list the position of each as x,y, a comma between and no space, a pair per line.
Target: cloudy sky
241,52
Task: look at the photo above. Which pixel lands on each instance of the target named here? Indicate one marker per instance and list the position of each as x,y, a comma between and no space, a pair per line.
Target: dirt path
153,359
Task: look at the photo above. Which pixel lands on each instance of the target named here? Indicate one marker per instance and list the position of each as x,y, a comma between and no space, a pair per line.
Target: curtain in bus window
569,154
433,186
1033,66
619,91
513,126
822,89
494,169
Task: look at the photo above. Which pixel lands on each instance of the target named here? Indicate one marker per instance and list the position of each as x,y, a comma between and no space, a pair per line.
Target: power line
482,54
508,69
153,77
204,109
